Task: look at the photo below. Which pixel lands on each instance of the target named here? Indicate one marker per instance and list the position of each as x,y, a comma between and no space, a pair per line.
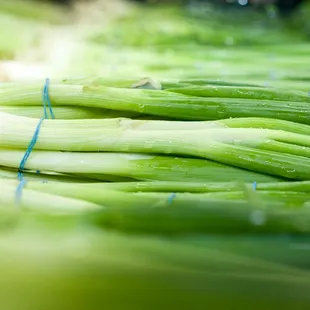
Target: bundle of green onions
129,143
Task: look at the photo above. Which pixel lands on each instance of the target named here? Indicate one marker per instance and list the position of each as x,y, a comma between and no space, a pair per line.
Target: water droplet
221,111
141,107
290,170
243,2
245,158
261,104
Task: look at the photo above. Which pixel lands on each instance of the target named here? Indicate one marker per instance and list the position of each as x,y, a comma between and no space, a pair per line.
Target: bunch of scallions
156,143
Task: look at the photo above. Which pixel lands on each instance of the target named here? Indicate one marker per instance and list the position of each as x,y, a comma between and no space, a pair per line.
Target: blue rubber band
254,186
171,197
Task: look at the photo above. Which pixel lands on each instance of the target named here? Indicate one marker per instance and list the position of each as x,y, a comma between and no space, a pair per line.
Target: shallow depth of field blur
162,39
72,263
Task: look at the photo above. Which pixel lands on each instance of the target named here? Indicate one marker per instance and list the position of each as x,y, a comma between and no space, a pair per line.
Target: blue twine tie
46,101
19,190
254,186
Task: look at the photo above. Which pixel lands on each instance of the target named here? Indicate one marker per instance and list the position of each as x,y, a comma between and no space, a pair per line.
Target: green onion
153,211
68,112
274,152
45,176
205,82
166,84
42,202
137,166
155,194
194,216
156,102
256,93
175,186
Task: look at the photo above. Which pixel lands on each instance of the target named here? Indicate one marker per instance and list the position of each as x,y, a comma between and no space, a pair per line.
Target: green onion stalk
300,86
275,152
190,213
289,83
48,176
162,102
171,186
68,112
202,88
102,166
257,93
99,193
138,83
36,201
